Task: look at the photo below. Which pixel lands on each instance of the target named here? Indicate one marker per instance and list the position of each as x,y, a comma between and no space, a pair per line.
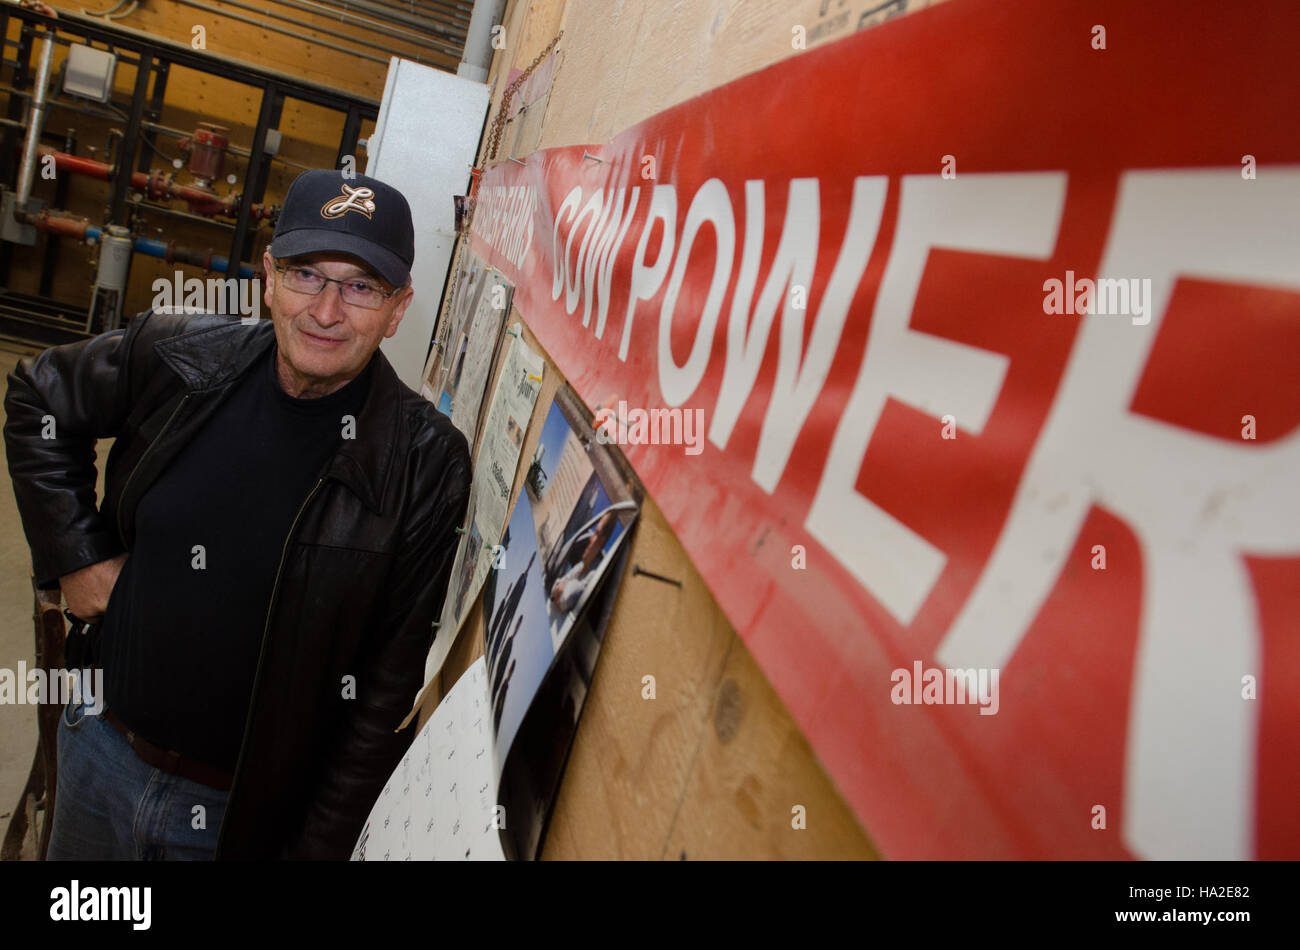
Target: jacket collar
213,357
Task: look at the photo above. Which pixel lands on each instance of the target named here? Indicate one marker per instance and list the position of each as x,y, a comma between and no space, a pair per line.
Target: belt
171,762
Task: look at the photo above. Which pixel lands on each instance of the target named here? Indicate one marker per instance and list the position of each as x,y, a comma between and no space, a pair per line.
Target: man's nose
327,307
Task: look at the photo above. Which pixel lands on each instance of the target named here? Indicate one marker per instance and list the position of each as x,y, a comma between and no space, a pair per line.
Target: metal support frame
153,113
11,139
50,260
126,149
255,179
351,135
154,55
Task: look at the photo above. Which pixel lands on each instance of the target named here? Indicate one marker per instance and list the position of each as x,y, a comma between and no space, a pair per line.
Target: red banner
991,320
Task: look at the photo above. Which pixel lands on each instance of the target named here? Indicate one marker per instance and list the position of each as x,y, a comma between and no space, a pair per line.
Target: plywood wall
713,766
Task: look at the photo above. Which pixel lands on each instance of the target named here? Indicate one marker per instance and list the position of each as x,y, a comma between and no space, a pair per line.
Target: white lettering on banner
526,229
600,263
504,220
1161,478
646,279
558,260
586,275
593,267
1196,503
796,258
571,287
513,221
1014,214
502,209
800,381
711,204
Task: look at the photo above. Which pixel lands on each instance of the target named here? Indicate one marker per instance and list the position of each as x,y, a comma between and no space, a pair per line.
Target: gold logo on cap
351,199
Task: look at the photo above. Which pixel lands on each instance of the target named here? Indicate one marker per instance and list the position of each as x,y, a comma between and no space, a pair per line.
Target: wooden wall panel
623,63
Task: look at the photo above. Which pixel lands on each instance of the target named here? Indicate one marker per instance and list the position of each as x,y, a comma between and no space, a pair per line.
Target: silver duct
478,41
35,122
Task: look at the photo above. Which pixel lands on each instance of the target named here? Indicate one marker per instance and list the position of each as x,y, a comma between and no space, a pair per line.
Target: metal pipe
35,119
432,26
178,253
478,41
144,123
158,184
444,50
456,12
374,26
185,216
207,7
169,251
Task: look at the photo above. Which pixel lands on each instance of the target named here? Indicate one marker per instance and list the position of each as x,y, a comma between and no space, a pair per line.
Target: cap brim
311,240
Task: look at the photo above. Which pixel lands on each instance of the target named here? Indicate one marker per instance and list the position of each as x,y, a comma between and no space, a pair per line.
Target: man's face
324,342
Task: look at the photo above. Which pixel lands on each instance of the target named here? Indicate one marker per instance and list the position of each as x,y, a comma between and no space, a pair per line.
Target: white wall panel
424,144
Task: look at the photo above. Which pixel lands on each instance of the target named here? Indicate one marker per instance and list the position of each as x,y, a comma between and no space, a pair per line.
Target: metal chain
494,137
493,143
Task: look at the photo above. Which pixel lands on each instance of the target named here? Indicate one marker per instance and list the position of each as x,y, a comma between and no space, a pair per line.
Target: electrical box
10,228
89,72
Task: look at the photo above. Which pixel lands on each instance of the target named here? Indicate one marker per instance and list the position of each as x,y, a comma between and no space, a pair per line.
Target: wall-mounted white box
89,73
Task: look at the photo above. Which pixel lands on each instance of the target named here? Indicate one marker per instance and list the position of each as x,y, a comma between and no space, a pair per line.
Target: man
496,664
501,699
271,554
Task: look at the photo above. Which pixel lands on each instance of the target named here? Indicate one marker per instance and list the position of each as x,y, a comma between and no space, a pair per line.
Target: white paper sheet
494,476
440,804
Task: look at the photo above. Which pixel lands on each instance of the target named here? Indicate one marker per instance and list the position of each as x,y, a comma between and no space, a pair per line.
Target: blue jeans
110,805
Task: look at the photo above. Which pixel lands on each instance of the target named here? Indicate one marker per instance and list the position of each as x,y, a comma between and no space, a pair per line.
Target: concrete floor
17,634
17,639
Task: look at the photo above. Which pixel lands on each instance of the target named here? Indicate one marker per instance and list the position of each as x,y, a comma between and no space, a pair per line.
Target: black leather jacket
362,574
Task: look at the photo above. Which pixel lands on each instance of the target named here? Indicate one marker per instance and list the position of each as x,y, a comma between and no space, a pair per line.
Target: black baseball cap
358,215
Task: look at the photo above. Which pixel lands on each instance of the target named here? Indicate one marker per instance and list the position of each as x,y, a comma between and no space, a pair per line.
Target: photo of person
578,526
563,533
517,639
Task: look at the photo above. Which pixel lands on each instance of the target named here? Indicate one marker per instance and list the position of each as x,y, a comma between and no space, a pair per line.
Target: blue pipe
154,248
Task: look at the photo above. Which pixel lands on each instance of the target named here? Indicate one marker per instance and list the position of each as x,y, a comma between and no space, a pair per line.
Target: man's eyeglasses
356,291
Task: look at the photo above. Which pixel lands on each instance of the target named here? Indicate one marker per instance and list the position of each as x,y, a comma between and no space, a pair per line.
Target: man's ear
268,267
399,309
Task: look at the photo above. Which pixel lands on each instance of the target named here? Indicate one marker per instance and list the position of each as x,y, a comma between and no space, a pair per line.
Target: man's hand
86,591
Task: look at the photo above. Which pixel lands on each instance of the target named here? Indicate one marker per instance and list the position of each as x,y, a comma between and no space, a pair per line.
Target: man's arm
57,404
367,748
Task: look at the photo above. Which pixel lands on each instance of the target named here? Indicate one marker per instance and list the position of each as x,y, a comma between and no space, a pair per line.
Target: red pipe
158,184
78,165
59,224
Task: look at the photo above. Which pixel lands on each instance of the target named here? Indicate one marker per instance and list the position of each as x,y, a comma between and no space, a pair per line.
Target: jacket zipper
261,655
121,531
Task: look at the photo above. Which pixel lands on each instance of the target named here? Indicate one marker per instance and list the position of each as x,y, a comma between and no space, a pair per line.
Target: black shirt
181,635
